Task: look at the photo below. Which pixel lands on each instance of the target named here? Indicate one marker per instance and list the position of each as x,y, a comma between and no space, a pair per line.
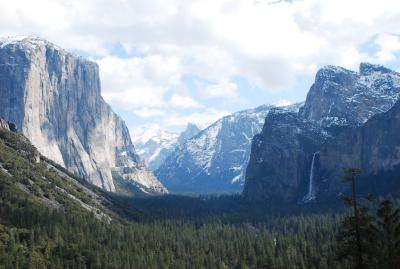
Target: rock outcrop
54,99
339,102
8,125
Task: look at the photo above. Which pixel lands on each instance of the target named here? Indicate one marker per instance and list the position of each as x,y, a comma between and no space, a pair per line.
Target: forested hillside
49,219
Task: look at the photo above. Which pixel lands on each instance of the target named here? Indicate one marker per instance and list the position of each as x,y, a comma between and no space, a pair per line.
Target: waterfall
311,195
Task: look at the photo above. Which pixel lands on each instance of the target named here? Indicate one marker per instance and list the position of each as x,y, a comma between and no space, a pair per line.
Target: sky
164,63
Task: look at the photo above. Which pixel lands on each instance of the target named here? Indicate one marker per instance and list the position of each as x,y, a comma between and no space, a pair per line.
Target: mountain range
53,98
216,158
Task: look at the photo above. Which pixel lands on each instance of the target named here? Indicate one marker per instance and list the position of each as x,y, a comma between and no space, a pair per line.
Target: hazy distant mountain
154,145
190,131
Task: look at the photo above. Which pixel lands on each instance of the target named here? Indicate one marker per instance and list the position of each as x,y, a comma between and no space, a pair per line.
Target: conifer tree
356,235
388,236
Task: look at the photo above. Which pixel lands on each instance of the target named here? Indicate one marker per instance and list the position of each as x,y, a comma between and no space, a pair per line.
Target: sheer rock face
373,147
280,156
339,102
54,99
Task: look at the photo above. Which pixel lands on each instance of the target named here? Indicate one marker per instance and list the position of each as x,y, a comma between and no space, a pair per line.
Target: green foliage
43,224
367,239
80,241
19,143
387,235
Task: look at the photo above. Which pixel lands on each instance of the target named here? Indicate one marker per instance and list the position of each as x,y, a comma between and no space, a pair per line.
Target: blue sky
164,63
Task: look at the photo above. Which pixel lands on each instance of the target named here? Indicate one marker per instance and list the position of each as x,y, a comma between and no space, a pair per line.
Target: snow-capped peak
341,97
144,134
154,145
29,40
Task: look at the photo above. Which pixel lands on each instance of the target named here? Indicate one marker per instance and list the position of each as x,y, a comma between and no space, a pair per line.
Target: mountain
154,145
190,131
338,103
54,99
340,97
215,159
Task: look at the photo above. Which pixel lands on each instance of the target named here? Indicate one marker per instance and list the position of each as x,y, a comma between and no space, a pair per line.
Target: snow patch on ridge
204,146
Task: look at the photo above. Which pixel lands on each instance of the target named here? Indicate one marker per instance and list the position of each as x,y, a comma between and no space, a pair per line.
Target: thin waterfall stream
311,195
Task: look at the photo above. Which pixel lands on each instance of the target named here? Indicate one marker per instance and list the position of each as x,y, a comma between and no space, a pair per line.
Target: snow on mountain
215,159
339,105
190,131
54,98
154,145
340,97
150,142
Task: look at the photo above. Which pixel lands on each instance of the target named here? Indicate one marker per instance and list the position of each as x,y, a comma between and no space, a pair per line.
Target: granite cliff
54,99
328,134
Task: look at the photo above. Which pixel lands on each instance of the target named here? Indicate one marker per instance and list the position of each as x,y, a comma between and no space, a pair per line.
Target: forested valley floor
160,232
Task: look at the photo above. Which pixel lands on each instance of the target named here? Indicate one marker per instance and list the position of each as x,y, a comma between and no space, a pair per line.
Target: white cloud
388,46
179,101
146,112
212,38
200,118
271,46
225,89
139,83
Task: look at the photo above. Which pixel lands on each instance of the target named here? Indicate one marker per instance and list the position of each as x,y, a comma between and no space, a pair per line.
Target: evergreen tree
369,241
356,235
388,236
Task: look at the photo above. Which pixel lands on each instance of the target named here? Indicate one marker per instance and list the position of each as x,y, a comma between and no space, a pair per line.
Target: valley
259,188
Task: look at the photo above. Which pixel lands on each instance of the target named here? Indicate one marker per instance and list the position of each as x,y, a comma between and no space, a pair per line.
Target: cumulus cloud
225,89
389,45
179,101
139,82
201,118
271,44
